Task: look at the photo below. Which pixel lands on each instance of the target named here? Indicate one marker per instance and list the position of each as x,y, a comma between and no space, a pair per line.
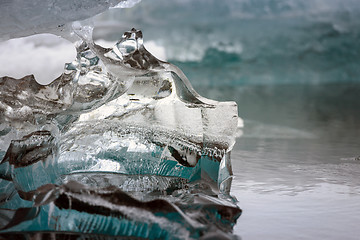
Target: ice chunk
120,115
120,95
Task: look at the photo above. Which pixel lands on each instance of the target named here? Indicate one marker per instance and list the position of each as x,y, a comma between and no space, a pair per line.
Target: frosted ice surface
20,18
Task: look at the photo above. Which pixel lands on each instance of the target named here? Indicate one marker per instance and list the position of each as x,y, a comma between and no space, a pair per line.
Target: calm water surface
297,163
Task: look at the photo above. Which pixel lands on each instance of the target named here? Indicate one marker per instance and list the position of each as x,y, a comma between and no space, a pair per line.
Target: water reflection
296,168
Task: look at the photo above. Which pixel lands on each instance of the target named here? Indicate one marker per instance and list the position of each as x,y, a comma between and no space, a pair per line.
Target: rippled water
297,164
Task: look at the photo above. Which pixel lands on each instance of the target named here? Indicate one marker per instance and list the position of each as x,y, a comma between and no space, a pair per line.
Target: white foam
156,49
195,51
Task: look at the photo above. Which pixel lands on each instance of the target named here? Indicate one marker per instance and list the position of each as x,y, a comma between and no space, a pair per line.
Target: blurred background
292,66
292,61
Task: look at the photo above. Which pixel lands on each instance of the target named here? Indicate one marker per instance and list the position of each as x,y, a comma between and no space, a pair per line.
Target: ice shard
120,139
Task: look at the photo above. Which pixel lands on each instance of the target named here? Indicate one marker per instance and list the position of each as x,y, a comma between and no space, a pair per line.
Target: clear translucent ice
119,144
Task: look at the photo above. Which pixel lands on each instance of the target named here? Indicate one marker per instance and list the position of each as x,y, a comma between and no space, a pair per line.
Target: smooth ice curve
116,112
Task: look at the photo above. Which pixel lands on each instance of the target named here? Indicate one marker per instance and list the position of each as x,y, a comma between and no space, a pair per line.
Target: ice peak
130,42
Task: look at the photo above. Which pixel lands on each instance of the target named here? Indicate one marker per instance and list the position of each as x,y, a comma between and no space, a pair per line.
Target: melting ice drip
119,144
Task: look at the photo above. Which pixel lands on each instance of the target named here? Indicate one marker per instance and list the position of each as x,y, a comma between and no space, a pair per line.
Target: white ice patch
127,4
105,165
135,146
153,47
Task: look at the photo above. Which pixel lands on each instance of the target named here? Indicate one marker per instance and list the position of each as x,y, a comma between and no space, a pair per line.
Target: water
296,166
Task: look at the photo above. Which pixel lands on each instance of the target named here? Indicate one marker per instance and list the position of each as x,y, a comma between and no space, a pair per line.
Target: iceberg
19,18
119,144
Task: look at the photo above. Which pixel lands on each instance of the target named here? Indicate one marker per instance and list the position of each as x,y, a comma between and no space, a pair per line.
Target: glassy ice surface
119,144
